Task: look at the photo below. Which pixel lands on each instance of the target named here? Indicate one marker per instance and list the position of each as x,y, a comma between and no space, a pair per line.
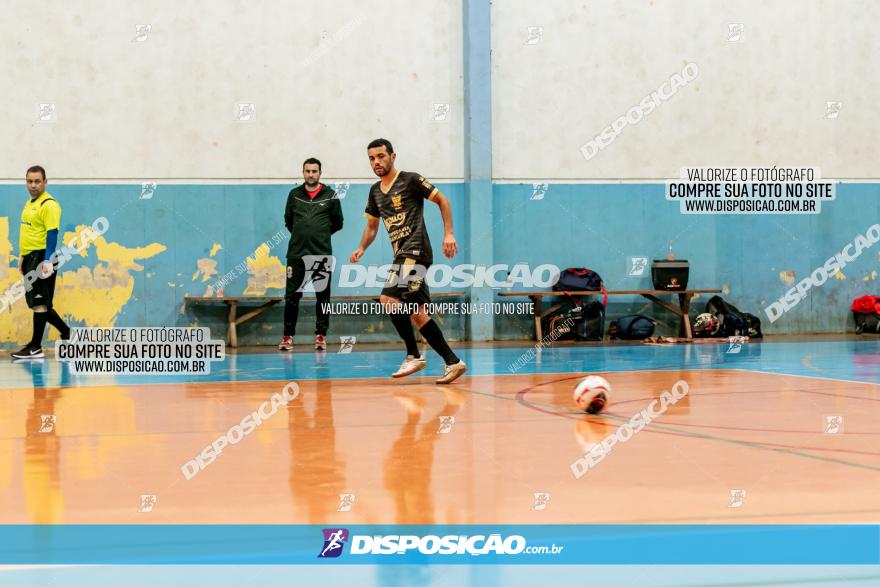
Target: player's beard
381,170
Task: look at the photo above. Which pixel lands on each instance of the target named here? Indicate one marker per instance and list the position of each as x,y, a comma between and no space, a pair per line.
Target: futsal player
398,198
312,215
38,238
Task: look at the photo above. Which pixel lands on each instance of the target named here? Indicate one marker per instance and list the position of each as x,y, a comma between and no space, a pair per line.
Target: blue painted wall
598,226
189,219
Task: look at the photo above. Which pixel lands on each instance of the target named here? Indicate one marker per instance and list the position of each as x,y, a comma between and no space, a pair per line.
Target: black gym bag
734,322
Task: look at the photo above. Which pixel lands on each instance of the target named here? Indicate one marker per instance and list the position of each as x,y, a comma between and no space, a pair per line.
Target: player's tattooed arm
450,246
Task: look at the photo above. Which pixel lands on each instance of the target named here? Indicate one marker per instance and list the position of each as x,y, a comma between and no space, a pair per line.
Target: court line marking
673,432
668,430
808,363
344,378
769,430
831,580
740,516
20,568
761,583
710,367
765,446
804,376
577,415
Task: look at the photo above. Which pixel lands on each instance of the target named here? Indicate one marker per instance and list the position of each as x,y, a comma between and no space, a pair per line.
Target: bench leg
232,335
536,302
685,301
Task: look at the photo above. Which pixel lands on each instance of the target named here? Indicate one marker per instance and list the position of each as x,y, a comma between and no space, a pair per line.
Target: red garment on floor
866,305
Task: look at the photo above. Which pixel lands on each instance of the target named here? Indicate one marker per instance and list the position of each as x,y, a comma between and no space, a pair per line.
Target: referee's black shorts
42,290
407,281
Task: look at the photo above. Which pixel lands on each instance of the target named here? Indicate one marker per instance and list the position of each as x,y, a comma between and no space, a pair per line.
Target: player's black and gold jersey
402,211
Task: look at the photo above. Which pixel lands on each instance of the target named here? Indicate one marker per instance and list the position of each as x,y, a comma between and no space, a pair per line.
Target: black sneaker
29,352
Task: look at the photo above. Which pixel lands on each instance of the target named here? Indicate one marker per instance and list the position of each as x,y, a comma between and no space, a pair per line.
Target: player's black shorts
43,289
407,281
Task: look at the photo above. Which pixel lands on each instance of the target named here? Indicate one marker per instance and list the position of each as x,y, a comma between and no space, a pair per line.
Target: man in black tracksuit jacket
312,214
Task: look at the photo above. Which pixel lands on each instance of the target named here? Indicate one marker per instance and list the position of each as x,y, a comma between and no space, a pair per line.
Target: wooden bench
684,303
267,302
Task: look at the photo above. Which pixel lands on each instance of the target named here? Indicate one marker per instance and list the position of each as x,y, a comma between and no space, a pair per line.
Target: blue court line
857,361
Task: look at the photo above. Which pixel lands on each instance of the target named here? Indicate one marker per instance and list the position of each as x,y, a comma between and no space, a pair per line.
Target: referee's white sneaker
410,365
453,372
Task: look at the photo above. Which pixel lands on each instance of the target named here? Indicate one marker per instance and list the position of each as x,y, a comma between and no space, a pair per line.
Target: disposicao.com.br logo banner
431,544
526,544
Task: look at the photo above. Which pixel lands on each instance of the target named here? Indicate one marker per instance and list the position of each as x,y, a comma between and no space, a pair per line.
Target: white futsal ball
592,394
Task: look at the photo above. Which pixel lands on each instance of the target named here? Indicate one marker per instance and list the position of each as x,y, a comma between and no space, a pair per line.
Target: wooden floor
381,440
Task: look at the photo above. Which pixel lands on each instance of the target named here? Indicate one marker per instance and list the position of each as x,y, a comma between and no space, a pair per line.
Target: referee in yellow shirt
40,221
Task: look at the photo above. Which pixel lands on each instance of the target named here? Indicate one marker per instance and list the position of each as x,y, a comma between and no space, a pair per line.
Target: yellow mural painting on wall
264,272
88,296
206,269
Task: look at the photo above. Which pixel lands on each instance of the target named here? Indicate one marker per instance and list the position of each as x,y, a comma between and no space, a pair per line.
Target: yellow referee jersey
39,215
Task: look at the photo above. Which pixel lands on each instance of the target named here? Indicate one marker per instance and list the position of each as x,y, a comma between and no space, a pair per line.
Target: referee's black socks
55,320
40,319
